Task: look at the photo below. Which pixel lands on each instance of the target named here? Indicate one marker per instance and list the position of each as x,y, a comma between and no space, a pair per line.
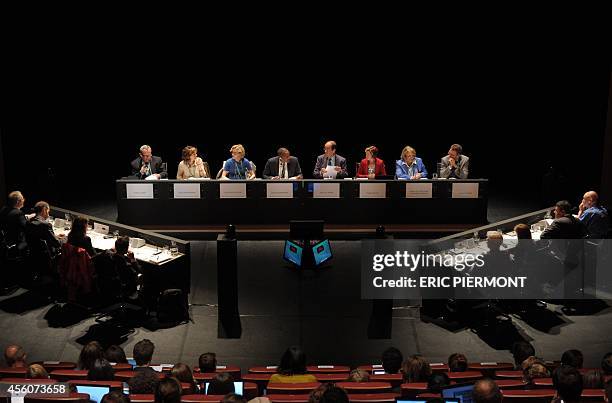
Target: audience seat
337,377
373,397
528,396
466,376
72,397
121,366
327,369
201,398
412,389
53,365
118,385
28,381
394,379
13,372
292,388
68,374
124,376
283,398
140,398
592,395
488,369
543,383
365,387
509,374
271,369
233,370
510,383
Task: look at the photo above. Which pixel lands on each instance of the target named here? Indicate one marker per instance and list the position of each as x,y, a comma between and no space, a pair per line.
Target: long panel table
207,202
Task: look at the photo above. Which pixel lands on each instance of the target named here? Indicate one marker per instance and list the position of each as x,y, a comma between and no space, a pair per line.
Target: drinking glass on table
173,248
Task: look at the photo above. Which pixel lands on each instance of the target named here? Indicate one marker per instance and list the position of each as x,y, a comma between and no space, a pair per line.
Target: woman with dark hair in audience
115,396
91,352
573,358
37,371
168,390
392,360
292,368
316,394
334,394
416,369
115,354
221,384
437,381
593,379
101,371
78,235
208,363
183,373
457,362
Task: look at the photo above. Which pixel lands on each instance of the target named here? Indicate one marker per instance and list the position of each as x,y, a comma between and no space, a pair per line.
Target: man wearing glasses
330,164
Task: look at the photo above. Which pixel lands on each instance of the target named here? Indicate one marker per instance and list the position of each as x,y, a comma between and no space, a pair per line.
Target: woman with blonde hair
192,166
410,166
238,167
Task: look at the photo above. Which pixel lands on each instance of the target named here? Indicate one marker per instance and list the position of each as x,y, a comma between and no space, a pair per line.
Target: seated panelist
283,166
192,166
371,166
329,161
148,164
238,167
410,166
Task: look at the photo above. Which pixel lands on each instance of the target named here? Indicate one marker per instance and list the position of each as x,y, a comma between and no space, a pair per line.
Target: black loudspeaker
229,326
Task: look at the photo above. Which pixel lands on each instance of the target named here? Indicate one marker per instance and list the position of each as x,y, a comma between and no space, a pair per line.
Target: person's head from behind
143,352
208,362
521,350
101,371
495,239
144,382
168,390
437,381
233,398
522,232
122,245
90,352
568,383
537,370
573,358
416,369
392,360
457,362
42,209
606,364
562,208
115,354
293,362
79,228
316,394
608,391
593,379
146,153
115,396
37,371
359,375
221,384
15,356
182,372
455,151
334,394
486,391
16,199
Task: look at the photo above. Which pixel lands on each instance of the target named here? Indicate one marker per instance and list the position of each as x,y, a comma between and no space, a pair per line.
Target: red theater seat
543,383
495,366
13,372
394,379
338,377
65,375
271,369
28,381
528,396
373,397
124,376
72,397
121,366
282,398
509,374
439,367
365,387
109,384
327,369
292,388
592,395
233,370
510,383
53,365
413,388
465,376
138,398
201,398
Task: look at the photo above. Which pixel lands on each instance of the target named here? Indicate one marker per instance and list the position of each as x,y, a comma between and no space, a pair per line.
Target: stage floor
321,310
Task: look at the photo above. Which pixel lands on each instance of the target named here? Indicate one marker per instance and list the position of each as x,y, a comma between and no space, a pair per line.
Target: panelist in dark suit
39,229
148,164
328,161
565,225
13,222
282,167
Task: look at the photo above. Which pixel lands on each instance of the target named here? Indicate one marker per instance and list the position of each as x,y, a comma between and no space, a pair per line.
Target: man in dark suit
148,164
565,225
44,246
282,167
13,223
330,161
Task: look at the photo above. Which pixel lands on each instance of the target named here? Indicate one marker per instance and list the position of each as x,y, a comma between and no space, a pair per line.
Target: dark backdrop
516,119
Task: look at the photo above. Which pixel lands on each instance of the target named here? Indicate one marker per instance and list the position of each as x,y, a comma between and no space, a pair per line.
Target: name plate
326,191
100,228
139,190
419,190
186,190
465,190
232,190
279,190
372,190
